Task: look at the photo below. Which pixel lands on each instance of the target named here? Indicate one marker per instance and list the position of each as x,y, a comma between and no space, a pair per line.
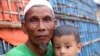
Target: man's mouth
41,37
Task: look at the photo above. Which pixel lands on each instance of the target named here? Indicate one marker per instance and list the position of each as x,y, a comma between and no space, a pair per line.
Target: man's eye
33,19
47,19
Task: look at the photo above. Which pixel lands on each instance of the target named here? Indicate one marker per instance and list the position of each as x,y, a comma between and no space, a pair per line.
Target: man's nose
41,26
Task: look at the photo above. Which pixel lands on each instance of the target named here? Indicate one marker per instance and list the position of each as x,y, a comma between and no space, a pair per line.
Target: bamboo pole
90,42
9,24
6,12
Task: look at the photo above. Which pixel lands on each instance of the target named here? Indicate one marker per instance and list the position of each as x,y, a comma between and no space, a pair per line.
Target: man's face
39,25
66,45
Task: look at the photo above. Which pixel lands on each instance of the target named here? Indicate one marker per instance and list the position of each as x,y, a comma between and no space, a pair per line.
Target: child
66,41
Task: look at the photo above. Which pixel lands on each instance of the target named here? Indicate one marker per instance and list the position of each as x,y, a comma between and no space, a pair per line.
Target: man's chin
43,46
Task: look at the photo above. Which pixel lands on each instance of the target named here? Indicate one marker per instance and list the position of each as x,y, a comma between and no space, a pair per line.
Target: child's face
66,45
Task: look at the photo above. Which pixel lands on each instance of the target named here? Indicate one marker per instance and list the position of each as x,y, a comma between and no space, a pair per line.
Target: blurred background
83,14
98,10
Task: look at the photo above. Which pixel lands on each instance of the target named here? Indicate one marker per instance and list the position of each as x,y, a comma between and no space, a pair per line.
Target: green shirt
23,50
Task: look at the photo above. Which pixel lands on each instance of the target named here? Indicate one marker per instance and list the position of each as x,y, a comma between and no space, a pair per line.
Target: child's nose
63,50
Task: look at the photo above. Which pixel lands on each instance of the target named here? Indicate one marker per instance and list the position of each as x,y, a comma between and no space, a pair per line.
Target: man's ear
24,27
55,22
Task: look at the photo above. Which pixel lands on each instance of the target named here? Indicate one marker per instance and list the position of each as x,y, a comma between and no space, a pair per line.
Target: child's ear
79,47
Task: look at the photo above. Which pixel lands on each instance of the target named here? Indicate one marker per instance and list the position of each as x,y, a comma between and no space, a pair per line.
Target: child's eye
68,47
57,47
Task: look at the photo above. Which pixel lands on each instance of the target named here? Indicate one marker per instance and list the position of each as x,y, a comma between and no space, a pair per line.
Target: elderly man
38,24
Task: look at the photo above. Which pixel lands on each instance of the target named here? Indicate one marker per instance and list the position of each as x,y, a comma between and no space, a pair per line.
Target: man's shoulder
22,50
16,51
50,51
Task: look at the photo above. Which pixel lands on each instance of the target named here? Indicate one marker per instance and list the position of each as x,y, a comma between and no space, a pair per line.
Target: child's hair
67,30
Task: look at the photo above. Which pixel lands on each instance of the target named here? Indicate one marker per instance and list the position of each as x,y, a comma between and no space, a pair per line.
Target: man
38,24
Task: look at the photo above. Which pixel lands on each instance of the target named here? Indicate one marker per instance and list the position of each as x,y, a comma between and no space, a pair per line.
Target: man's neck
36,49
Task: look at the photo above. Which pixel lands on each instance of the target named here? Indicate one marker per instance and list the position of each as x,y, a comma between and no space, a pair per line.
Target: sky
97,1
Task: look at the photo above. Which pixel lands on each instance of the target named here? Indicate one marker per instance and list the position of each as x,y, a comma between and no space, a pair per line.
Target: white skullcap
37,2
